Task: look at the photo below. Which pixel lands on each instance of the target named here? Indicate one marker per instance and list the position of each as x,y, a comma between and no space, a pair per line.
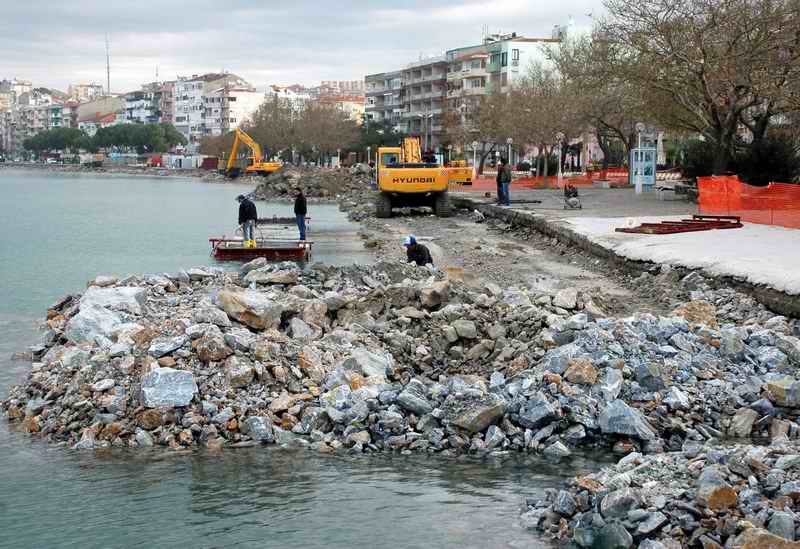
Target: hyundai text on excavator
404,180
255,160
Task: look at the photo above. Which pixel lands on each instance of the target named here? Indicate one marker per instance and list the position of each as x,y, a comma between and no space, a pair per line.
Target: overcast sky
55,43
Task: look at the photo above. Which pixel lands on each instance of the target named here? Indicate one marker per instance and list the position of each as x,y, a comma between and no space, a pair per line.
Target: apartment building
498,62
15,88
167,102
84,91
226,108
190,107
424,94
383,100
144,106
295,95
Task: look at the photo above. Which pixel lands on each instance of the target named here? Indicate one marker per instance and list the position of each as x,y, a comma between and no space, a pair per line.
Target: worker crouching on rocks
247,219
416,252
300,211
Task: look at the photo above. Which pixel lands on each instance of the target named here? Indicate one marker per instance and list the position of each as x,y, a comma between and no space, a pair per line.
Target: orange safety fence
488,183
774,204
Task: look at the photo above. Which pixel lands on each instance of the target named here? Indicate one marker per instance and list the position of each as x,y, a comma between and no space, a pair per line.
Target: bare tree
706,66
540,106
604,103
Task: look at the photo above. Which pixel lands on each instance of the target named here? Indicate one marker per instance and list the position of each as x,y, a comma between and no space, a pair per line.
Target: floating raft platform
232,249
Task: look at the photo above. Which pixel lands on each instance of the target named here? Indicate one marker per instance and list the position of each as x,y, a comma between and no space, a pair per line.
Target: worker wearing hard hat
416,252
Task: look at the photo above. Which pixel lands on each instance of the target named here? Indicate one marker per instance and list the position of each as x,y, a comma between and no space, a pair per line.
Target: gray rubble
393,357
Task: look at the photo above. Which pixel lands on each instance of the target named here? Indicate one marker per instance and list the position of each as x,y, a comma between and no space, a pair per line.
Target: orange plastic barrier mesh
775,204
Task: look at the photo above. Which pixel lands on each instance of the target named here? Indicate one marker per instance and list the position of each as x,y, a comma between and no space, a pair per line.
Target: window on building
476,64
231,99
504,59
515,55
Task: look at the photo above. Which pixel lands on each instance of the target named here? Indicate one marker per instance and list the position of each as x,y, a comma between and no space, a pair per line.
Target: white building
295,96
190,107
84,92
142,107
228,107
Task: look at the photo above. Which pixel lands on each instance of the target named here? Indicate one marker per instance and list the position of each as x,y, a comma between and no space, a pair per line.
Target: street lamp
449,153
560,139
338,158
429,130
637,158
509,141
474,158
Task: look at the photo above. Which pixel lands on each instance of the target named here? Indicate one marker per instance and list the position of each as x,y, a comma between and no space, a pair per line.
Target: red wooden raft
227,249
697,223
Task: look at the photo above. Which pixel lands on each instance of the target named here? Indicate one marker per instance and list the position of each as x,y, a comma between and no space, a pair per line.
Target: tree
541,110
603,101
707,66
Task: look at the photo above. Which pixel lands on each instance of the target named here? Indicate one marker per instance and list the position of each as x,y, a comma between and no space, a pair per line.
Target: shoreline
393,358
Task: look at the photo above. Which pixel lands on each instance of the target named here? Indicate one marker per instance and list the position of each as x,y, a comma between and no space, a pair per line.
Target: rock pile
395,357
316,183
702,496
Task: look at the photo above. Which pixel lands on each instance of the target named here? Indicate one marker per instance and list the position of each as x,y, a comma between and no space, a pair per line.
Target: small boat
233,249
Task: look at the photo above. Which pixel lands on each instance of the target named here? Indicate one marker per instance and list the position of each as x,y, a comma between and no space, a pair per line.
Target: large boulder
251,308
211,315
166,345
168,387
742,423
473,412
414,398
581,371
301,331
713,491
271,277
211,348
258,428
619,502
238,372
566,298
619,418
784,391
369,364
698,312
435,294
465,328
92,324
128,299
539,412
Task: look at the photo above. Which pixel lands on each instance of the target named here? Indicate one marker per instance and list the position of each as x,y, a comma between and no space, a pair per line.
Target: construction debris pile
395,357
705,495
352,183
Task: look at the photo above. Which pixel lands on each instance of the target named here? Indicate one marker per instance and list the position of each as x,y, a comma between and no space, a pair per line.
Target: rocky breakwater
737,496
393,357
345,184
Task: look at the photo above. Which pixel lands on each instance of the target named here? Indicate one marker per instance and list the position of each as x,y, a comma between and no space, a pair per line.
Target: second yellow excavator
255,160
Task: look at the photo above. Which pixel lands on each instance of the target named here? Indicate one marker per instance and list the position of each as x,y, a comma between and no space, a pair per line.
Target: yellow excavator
404,180
255,160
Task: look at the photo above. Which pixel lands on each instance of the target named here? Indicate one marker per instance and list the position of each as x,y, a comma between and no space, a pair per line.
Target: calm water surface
57,232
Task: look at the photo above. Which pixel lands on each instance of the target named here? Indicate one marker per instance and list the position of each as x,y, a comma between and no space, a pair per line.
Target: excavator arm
255,148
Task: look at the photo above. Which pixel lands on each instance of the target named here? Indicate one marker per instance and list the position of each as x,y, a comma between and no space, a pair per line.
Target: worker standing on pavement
247,219
505,181
416,252
499,182
300,211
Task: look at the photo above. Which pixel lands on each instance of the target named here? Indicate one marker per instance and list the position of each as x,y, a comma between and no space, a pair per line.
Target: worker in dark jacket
416,252
247,219
300,211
